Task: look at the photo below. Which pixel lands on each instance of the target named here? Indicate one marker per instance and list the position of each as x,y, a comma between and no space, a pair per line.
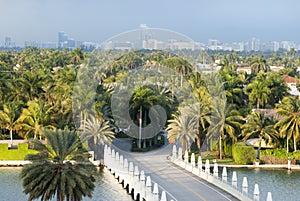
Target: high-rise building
8,43
254,44
62,39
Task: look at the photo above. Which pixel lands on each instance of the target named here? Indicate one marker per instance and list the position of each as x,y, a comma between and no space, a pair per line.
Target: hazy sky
97,20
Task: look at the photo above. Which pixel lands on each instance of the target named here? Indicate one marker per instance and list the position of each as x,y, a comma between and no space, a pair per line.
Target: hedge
15,154
243,154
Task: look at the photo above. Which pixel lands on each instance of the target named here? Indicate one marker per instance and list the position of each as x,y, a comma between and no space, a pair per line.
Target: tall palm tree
225,120
258,125
99,132
9,117
61,168
258,92
259,64
96,132
289,125
34,117
183,128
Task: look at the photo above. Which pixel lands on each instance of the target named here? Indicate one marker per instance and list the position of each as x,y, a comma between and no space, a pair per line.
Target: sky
98,20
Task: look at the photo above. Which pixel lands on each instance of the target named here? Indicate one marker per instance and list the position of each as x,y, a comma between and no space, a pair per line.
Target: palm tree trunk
287,144
11,137
220,147
140,128
295,145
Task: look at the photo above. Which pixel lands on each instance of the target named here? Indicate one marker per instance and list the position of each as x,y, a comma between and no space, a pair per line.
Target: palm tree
183,128
260,126
96,132
259,92
141,102
99,132
225,120
289,110
9,117
61,168
259,64
35,116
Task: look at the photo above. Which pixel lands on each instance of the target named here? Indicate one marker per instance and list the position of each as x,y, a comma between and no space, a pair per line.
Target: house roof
289,79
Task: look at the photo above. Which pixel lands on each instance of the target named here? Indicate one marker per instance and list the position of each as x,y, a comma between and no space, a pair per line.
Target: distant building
246,69
254,44
8,43
292,84
62,39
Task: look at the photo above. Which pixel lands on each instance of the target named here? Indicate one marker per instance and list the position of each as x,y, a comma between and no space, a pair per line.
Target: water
107,188
283,184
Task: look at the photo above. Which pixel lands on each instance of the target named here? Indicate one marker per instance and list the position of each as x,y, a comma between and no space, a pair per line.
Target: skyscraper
62,38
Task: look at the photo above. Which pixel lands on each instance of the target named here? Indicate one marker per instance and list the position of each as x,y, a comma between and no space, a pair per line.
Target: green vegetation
61,168
37,85
243,154
15,154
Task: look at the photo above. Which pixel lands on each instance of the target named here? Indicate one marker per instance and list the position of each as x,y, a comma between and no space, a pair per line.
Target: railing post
155,191
174,152
245,186
180,154
256,193
234,179
193,160
199,163
148,188
224,174
163,196
216,170
269,196
142,185
207,166
186,157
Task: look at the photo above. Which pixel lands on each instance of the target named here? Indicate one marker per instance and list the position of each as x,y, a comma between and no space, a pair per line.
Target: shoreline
263,166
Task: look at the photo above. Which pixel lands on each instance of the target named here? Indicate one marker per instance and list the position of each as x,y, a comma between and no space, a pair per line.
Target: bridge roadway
179,183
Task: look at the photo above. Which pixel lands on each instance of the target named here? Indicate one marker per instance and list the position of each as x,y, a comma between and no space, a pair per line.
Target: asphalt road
179,183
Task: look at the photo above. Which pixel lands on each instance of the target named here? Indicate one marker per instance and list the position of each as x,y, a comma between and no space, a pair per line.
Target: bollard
163,196
180,153
256,193
186,157
193,160
117,156
245,186
130,170
199,163
216,170
289,163
136,172
174,152
113,153
142,184
224,174
148,188
207,166
234,179
155,191
269,196
125,165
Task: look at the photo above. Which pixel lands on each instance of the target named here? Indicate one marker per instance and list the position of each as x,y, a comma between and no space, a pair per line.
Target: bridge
163,175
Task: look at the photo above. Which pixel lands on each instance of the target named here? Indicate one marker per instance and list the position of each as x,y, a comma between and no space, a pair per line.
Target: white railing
133,179
213,178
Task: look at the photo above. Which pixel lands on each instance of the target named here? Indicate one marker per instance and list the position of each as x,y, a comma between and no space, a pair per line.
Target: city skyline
153,42
97,21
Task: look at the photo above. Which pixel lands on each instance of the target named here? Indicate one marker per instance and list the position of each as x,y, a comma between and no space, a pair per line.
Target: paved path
180,184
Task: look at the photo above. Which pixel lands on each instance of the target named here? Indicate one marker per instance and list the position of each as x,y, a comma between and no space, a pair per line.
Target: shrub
243,154
15,154
278,156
